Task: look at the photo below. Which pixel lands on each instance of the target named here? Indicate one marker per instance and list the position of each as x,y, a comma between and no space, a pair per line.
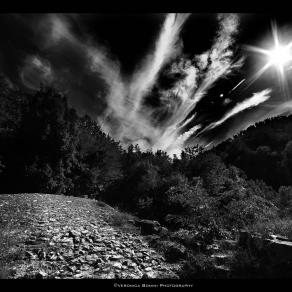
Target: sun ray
280,56
257,75
256,49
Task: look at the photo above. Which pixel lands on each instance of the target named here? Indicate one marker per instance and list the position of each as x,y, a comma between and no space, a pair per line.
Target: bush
244,264
198,266
285,201
249,210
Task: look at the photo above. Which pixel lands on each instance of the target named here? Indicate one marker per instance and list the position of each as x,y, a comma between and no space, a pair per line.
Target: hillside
261,148
53,236
193,206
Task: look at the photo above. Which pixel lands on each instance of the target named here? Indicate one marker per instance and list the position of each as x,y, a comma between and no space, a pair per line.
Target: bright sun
279,56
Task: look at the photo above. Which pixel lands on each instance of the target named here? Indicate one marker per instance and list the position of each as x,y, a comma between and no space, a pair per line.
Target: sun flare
279,56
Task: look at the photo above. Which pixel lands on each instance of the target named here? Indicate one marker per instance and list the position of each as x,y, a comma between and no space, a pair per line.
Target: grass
101,204
9,251
197,266
12,232
123,221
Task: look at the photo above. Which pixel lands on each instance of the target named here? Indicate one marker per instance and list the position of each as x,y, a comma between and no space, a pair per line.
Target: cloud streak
167,47
201,73
125,114
126,117
255,100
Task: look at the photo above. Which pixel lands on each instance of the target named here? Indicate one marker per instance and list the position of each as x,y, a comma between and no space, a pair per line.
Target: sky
160,80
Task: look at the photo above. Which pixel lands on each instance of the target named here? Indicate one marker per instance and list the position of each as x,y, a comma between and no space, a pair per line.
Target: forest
245,182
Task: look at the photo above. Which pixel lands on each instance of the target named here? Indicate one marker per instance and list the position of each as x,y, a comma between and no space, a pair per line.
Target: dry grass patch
123,221
10,251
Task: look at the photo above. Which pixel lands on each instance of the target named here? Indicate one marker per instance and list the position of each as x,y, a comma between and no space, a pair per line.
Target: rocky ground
52,236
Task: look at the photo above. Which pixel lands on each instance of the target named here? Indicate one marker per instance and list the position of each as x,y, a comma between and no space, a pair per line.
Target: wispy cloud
256,99
126,112
201,73
126,116
166,47
36,71
57,29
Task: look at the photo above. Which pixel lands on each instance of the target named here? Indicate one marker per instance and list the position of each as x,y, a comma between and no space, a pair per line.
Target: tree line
46,147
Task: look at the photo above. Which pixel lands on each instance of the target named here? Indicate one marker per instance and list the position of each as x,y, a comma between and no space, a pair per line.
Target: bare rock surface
67,237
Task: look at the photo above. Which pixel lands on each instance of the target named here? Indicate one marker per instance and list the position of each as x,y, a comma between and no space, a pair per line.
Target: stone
148,226
72,268
132,265
117,265
31,255
85,268
42,255
116,257
143,266
110,275
60,258
78,276
98,249
90,258
73,233
41,275
148,275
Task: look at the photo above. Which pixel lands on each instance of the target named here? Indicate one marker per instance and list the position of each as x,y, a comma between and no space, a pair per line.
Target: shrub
244,264
198,266
247,211
285,201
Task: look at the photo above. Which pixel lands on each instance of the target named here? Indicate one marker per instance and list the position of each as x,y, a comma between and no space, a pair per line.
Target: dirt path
51,236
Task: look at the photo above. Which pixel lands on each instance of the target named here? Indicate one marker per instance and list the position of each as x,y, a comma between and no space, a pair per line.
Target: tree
43,147
99,159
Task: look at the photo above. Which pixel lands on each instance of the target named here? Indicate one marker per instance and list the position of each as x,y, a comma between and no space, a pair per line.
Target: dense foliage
45,146
263,147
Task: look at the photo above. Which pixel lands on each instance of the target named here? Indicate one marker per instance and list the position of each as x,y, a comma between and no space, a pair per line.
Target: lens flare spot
280,56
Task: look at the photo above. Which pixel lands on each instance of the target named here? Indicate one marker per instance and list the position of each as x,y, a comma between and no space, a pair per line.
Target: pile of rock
75,239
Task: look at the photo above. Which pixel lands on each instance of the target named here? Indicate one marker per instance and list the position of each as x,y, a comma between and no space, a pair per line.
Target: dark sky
31,53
